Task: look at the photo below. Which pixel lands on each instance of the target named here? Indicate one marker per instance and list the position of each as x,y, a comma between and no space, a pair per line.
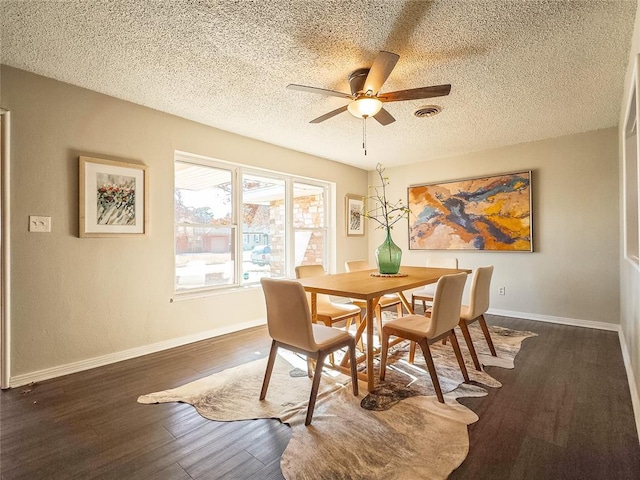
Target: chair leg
487,336
426,351
412,352
350,320
383,355
413,303
314,387
357,342
358,320
348,323
332,360
327,322
467,338
267,373
354,367
456,349
358,336
309,367
399,309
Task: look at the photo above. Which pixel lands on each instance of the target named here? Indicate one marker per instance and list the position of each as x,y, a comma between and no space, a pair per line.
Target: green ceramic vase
388,255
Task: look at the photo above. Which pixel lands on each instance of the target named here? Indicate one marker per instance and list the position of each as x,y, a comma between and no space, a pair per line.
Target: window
263,211
236,224
309,224
631,176
204,229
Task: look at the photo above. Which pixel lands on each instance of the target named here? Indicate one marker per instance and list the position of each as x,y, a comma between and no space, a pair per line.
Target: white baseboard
110,358
575,322
633,387
58,371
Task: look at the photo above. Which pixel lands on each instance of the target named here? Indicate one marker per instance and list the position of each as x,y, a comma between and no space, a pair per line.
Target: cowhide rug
398,431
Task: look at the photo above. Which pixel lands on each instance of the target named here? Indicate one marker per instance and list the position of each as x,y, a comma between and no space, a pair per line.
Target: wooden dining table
363,285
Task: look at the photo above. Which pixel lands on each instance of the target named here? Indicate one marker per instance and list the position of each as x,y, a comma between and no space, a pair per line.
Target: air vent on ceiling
428,111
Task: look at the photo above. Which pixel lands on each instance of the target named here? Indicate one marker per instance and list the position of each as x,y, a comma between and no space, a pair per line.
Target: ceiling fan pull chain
364,134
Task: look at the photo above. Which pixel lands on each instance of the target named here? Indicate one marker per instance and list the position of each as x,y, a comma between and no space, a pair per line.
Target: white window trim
631,125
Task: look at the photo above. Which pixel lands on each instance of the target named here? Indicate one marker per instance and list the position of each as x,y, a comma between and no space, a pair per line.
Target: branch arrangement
387,214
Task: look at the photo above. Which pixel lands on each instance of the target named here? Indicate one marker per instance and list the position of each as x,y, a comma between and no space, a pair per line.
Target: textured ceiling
520,70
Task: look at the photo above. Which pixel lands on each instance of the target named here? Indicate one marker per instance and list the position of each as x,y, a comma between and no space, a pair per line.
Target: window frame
327,195
631,173
233,225
238,173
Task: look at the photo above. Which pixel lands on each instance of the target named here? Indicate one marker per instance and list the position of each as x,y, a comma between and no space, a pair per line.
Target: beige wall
573,273
77,299
629,273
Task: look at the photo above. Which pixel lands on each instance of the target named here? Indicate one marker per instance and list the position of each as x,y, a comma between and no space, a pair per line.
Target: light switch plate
39,224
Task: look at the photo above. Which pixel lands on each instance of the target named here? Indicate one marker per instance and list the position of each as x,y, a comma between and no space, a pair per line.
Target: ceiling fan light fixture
364,107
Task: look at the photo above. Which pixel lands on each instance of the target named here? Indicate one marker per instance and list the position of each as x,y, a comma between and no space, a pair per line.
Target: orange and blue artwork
488,213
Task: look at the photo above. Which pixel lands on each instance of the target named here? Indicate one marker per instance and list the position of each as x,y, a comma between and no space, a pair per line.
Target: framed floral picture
353,213
113,198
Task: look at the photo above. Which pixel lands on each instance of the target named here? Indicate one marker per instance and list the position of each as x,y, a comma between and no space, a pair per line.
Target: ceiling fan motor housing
356,80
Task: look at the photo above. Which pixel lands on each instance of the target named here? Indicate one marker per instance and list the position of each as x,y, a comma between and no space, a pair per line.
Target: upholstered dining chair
328,311
439,324
478,306
290,327
390,300
425,294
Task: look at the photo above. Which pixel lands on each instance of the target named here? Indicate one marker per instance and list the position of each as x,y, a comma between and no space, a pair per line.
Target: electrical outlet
39,224
502,290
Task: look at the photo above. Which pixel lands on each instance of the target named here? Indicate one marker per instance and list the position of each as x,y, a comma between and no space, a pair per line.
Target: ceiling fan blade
321,91
327,116
416,93
384,117
380,71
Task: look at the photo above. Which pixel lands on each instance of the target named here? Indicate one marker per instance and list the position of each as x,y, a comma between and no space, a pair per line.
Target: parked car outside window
261,255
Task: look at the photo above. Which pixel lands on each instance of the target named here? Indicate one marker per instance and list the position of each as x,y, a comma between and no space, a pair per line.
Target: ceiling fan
366,99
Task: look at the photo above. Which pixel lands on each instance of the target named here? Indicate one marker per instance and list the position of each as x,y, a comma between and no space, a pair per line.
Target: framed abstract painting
113,198
484,213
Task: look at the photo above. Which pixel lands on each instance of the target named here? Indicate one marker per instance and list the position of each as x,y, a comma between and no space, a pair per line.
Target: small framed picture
114,198
353,214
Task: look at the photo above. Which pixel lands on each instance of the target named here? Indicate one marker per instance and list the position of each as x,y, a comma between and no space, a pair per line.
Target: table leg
370,373
406,304
314,307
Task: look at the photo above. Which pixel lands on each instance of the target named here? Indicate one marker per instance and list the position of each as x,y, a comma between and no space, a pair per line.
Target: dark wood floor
564,412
